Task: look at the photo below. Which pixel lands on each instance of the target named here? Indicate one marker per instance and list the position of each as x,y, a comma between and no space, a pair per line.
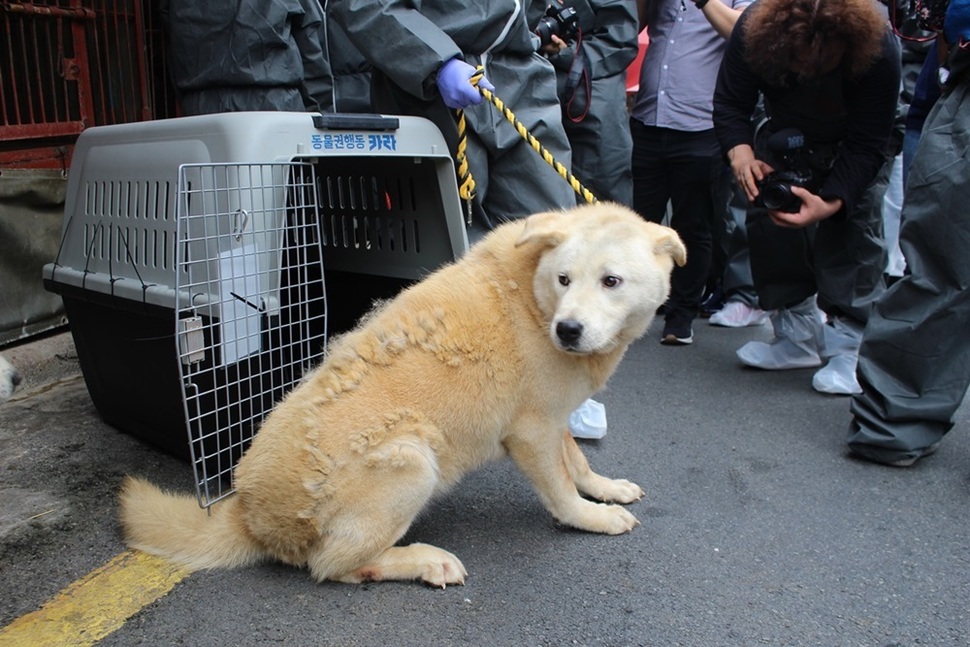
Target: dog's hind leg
396,479
592,484
429,564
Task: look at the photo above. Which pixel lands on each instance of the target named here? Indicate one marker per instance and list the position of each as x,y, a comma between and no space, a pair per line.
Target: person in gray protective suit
914,362
423,58
234,55
591,71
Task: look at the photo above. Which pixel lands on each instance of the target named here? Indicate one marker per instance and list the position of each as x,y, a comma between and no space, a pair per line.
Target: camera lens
546,29
777,196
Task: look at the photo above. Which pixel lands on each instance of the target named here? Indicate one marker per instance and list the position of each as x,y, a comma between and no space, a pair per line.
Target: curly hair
777,30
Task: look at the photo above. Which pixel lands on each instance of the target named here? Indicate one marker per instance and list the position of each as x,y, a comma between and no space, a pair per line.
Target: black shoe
907,461
712,302
911,460
677,330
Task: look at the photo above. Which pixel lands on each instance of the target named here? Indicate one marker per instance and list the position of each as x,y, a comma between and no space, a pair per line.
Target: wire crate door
251,313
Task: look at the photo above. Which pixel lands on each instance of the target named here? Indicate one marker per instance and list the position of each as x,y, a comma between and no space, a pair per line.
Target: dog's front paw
621,491
620,521
604,519
609,490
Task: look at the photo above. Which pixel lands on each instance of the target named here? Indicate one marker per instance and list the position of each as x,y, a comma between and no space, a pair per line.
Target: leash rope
466,184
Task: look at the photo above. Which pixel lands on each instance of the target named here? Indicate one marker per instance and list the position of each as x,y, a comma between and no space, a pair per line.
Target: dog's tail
175,527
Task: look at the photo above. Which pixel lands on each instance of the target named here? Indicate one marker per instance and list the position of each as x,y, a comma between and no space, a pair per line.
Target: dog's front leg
538,453
592,484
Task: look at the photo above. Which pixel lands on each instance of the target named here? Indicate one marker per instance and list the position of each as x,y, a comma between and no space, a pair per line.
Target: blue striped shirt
680,68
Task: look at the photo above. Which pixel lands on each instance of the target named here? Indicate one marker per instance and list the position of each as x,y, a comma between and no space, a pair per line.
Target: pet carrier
203,260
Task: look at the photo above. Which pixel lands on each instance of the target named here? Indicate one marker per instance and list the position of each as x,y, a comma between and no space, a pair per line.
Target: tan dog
485,357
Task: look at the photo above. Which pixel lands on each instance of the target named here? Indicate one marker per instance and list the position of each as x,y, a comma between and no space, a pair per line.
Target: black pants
680,167
842,258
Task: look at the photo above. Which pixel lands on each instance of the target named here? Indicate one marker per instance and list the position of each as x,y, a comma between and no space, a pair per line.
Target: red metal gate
66,65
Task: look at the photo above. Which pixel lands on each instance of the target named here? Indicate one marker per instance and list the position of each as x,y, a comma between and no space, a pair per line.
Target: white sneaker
737,314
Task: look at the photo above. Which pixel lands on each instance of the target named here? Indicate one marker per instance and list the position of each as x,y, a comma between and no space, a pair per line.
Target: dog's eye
611,281
563,280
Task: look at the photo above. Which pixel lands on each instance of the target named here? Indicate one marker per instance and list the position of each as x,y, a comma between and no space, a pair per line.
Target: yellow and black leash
466,182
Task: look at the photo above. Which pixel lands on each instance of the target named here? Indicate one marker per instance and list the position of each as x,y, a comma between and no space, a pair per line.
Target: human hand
454,84
747,170
814,209
554,46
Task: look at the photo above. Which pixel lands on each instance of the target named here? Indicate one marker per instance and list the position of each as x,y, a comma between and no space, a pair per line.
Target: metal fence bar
66,65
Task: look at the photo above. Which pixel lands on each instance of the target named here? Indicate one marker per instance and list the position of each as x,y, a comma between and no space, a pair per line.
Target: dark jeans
682,168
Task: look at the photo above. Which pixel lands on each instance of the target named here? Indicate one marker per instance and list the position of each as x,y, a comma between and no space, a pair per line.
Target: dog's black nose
569,331
16,378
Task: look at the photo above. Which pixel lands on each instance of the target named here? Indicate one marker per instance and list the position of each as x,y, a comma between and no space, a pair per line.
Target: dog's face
9,379
603,275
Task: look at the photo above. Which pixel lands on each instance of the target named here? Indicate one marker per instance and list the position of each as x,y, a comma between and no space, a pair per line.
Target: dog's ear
548,228
666,241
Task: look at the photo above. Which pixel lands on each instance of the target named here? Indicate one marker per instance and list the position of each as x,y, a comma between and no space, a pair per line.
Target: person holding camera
591,43
914,362
424,57
676,158
829,72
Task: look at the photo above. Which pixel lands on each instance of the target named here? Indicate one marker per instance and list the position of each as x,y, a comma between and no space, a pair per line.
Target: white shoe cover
796,343
588,421
838,376
840,344
779,355
737,314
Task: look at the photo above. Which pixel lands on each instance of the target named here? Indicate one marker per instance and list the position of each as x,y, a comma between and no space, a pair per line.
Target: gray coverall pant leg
737,283
914,363
601,142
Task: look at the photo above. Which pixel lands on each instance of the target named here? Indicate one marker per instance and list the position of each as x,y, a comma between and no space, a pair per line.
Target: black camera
803,167
558,20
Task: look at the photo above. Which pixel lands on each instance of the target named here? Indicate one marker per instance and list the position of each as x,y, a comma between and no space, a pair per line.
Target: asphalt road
757,529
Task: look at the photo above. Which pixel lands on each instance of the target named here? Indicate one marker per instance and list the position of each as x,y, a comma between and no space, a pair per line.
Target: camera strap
575,78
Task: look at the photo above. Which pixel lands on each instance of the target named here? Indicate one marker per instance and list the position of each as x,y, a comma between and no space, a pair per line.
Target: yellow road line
97,604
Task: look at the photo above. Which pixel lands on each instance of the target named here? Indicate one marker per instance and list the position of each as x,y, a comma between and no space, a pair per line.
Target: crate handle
332,121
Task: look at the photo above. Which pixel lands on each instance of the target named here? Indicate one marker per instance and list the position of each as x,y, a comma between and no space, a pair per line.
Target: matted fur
486,357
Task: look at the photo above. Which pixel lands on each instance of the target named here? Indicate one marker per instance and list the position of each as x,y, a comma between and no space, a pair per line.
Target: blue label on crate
353,141
338,142
382,142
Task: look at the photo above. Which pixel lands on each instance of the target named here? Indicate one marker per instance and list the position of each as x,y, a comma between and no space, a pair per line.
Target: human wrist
833,206
700,3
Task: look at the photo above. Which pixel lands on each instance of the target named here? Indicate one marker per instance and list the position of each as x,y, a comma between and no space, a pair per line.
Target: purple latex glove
455,86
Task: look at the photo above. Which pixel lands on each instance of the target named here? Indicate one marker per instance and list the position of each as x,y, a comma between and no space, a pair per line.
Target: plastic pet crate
203,260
